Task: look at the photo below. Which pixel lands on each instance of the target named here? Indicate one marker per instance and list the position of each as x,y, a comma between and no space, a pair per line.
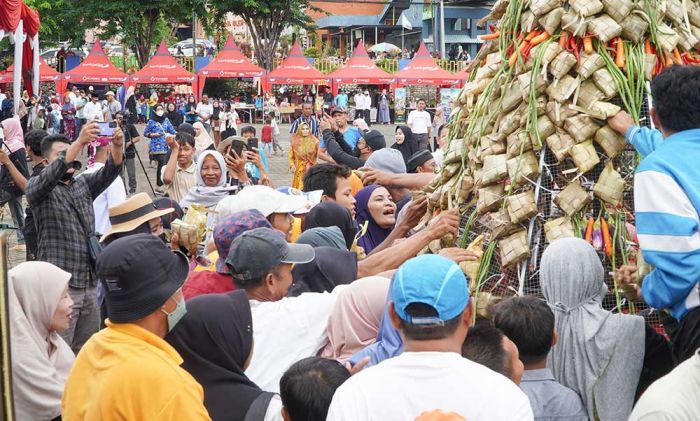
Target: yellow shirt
125,372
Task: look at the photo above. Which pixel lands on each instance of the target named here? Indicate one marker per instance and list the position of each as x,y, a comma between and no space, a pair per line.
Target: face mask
176,315
159,113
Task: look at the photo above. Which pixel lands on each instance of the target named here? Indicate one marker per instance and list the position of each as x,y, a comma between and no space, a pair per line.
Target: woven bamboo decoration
521,206
572,199
514,248
610,186
611,142
558,228
584,156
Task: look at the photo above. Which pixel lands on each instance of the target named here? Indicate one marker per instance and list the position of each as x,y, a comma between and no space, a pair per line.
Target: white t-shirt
93,111
286,331
403,387
419,121
204,109
113,195
674,397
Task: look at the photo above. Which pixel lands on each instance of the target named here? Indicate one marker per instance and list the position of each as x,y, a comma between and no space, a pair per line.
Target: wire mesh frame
523,279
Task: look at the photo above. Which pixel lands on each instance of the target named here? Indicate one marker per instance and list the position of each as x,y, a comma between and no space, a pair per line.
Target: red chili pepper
574,48
527,51
492,28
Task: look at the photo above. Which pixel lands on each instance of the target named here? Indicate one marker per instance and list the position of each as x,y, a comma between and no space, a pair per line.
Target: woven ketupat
521,206
605,82
589,63
604,28
489,197
611,142
618,9
540,7
561,64
514,248
581,127
610,186
523,167
634,27
560,143
572,199
584,156
495,169
558,228
562,89
518,142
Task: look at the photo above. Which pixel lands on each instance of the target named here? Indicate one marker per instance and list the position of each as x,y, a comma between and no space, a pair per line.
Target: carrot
588,235
540,38
588,44
487,37
677,56
532,35
668,60
607,241
620,53
564,39
513,59
647,47
523,47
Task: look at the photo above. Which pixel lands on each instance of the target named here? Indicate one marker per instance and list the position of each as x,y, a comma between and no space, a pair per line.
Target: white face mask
159,113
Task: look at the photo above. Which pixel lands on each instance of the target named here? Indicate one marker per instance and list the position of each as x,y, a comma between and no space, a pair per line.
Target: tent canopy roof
162,68
423,70
96,68
296,70
360,69
231,63
46,73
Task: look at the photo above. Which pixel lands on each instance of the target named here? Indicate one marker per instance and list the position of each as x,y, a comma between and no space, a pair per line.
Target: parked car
186,46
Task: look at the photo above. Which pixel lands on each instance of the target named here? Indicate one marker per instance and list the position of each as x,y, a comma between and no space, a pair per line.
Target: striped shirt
666,201
311,121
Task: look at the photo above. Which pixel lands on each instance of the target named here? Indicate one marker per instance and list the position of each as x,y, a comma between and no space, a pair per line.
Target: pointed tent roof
46,73
96,68
231,63
360,69
162,68
296,70
423,70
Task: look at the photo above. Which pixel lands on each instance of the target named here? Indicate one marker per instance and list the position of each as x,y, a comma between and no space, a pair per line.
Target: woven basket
604,28
588,93
514,248
560,143
544,128
552,20
489,198
495,169
604,81
558,113
611,142
540,7
572,199
649,65
574,24
521,206
584,156
498,223
581,127
528,21
610,186
561,64
558,228
562,89
618,9
634,27
523,167
518,142
589,64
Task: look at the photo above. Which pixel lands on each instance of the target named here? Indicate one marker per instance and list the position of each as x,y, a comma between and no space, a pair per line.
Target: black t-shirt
130,132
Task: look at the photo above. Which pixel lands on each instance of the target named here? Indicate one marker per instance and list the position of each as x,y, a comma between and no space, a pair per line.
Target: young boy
275,134
667,201
179,173
529,323
266,135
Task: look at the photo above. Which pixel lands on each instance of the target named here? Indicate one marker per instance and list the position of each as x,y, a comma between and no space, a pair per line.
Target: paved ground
278,173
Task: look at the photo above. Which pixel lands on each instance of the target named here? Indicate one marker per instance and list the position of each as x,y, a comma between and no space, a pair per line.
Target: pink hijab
355,319
14,137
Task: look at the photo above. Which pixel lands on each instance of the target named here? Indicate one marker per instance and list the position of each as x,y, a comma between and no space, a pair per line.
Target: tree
266,20
56,24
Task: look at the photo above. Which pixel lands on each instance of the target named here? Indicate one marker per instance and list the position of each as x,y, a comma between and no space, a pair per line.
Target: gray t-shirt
111,108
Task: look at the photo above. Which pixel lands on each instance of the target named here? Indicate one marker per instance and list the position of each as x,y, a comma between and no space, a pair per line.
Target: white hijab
599,354
203,140
41,360
202,194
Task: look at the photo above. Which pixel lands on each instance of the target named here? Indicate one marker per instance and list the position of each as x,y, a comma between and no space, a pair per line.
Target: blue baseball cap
431,280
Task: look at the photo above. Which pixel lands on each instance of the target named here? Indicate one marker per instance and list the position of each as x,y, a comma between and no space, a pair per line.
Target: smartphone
253,143
107,128
237,146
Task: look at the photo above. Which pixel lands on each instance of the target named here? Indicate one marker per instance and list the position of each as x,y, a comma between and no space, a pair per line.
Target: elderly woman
598,354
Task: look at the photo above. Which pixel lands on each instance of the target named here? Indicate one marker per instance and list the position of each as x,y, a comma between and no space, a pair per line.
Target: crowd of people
320,302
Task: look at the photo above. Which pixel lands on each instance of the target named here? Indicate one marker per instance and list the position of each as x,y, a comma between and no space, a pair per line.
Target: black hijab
155,117
174,116
409,146
331,267
215,339
330,214
187,128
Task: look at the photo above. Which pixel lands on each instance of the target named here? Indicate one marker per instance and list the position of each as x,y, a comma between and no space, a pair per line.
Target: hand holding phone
252,143
107,128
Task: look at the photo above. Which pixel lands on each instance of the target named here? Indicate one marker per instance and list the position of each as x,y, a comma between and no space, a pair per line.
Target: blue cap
432,280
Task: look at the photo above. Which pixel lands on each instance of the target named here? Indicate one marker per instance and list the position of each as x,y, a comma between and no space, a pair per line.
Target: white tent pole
35,62
17,76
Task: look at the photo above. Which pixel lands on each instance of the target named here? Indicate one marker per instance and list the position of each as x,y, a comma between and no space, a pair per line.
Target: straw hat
131,213
224,144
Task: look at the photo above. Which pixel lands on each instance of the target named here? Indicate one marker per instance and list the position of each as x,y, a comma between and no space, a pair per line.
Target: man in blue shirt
667,202
341,100
350,134
307,116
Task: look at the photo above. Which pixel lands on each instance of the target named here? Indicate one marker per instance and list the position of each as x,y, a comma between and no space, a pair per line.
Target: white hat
90,88
261,198
109,93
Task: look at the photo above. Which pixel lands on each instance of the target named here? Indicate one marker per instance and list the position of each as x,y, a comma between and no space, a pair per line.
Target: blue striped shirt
666,202
311,121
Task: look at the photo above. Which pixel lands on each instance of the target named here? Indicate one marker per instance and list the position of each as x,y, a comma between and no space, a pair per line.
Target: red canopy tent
96,68
21,24
46,74
296,70
423,70
229,63
162,68
360,70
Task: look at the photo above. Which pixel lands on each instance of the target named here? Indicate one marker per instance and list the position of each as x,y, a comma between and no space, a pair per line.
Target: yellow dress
303,153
